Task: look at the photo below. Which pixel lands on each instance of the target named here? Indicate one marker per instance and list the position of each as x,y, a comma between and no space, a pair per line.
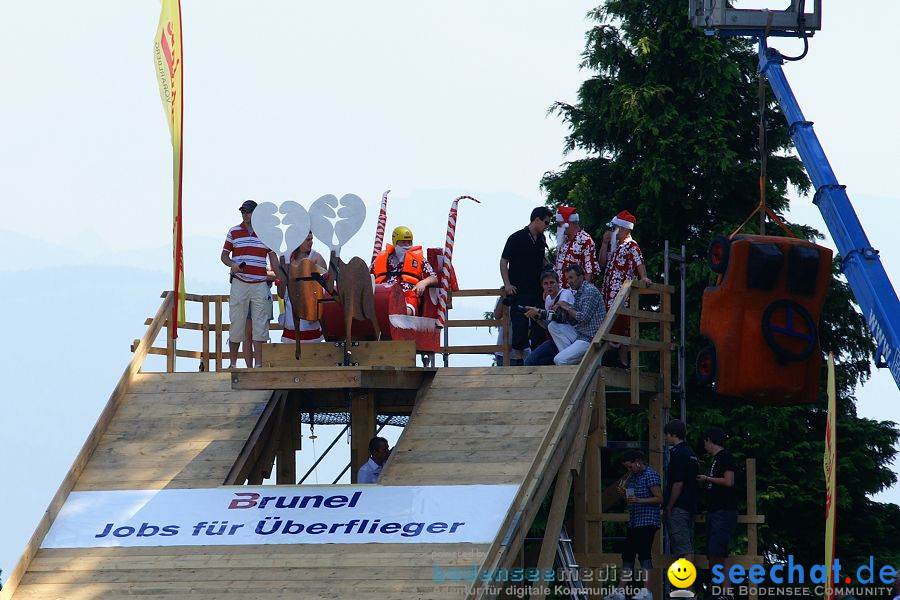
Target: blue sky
289,102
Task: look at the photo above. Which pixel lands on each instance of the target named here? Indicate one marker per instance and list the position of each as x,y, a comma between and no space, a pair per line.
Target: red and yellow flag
167,58
830,465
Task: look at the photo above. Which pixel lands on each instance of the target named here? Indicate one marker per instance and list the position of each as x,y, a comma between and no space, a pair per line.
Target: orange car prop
762,318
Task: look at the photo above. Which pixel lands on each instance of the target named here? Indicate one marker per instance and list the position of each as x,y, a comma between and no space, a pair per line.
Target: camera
559,316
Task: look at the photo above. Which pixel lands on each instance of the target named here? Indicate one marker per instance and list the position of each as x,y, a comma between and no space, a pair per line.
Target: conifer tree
668,122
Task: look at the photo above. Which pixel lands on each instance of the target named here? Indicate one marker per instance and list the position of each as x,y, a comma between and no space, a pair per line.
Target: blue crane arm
861,264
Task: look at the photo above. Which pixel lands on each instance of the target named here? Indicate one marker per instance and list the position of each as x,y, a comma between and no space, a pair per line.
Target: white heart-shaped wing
321,217
297,220
351,216
265,223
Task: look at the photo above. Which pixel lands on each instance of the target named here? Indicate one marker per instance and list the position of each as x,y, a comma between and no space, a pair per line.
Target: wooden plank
400,353
183,450
484,418
642,344
174,383
649,315
476,292
502,405
473,322
149,411
329,378
533,393
476,349
511,443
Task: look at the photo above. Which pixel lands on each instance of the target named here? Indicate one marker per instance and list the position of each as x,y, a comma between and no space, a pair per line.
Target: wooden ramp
472,425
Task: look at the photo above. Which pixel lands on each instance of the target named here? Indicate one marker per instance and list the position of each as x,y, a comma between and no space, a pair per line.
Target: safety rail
213,329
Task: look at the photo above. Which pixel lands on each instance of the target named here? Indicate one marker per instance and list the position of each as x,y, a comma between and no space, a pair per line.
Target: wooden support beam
249,456
171,332
362,428
400,353
329,378
752,540
570,466
218,334
204,362
286,456
665,358
642,344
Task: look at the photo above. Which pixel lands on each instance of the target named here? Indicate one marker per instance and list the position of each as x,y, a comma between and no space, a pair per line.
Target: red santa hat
567,214
625,220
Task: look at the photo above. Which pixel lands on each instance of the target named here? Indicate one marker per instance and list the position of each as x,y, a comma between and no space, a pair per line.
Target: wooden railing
213,329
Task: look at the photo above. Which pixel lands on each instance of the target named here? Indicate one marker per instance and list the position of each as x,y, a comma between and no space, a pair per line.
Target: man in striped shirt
250,297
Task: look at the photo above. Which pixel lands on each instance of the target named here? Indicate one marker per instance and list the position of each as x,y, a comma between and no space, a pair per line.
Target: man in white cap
623,260
574,246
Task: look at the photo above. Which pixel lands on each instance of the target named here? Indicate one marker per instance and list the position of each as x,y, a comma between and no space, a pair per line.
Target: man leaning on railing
587,314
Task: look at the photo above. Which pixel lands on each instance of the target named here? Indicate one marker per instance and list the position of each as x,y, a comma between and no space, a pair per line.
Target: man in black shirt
721,501
680,503
521,264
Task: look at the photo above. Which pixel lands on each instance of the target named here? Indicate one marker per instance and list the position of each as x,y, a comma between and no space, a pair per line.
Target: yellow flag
830,465
169,63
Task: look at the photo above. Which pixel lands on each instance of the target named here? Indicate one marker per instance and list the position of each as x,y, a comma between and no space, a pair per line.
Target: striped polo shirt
245,247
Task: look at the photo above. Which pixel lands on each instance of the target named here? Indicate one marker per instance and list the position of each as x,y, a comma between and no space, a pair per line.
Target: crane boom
860,261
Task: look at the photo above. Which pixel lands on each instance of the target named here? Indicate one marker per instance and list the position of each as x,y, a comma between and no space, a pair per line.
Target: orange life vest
412,270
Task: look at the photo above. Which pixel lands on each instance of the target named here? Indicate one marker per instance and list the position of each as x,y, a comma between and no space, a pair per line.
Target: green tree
668,121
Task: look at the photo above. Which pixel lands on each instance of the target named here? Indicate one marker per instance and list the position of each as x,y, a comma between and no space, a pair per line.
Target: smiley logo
682,573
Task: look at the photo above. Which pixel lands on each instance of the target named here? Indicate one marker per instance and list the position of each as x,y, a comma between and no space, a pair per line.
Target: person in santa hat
623,260
574,246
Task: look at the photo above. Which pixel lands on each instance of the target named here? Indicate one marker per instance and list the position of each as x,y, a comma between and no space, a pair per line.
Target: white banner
233,516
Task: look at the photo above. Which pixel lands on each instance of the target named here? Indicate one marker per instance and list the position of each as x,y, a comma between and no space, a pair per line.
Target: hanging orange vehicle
762,318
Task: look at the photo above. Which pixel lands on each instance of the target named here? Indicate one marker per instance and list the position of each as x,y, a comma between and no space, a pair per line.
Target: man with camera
586,313
551,318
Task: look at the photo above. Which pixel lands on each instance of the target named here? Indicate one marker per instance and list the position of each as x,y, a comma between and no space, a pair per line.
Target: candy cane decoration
379,229
448,257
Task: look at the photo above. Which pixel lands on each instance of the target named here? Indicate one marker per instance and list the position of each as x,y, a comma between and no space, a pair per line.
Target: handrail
212,358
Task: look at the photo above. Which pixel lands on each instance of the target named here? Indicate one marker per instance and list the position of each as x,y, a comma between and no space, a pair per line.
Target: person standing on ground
521,263
721,502
641,488
246,256
680,504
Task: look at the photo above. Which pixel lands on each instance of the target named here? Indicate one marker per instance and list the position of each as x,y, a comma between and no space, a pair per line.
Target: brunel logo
254,500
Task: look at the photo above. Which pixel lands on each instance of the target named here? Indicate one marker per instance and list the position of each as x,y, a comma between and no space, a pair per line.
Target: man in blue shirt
378,455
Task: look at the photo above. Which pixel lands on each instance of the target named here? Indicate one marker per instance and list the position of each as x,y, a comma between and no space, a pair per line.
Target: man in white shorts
246,256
